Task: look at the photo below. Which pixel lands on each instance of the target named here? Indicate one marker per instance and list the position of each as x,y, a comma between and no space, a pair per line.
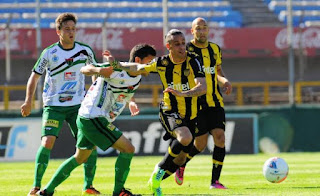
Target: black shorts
210,118
171,121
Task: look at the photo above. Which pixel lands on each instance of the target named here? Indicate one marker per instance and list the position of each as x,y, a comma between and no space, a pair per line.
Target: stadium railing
243,93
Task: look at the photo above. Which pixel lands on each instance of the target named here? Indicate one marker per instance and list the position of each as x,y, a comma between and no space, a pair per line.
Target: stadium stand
126,13
255,13
305,12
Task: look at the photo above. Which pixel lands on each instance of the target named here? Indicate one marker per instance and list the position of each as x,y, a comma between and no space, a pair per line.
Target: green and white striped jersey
64,83
107,97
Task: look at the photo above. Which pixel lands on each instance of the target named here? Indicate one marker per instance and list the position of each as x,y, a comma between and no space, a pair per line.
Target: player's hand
25,109
227,88
174,92
134,109
107,54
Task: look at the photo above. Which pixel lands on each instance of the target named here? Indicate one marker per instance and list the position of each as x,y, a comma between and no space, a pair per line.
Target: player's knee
219,139
81,160
48,141
129,149
200,142
201,146
186,140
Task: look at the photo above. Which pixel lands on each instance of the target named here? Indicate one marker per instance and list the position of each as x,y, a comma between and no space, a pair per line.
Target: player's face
67,33
177,47
200,32
147,59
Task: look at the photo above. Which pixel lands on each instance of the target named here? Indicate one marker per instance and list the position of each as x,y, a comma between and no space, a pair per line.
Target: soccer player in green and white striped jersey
105,100
64,89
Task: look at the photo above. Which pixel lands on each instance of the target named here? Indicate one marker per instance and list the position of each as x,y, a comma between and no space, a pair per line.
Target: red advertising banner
243,42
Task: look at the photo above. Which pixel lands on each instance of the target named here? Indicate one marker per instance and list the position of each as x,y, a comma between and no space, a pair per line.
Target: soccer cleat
155,180
158,192
33,191
125,192
217,185
178,177
44,193
91,191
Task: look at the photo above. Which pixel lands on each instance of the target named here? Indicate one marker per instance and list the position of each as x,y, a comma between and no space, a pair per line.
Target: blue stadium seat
221,11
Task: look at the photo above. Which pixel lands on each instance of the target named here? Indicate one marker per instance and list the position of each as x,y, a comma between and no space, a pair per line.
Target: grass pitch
242,174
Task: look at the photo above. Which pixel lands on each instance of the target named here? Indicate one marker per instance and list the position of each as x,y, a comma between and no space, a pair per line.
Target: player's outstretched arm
90,70
131,68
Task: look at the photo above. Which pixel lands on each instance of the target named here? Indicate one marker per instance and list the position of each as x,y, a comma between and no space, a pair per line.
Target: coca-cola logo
309,38
14,45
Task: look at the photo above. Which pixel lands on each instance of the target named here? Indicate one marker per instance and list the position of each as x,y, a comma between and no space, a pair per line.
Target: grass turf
242,174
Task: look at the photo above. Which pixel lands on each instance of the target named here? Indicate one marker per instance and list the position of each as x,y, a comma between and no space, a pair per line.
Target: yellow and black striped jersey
179,76
210,57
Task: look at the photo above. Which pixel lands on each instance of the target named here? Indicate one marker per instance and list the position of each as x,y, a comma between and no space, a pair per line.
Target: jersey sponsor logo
165,62
53,51
121,98
42,65
103,94
67,92
69,76
130,89
111,127
69,61
191,49
186,72
68,86
55,58
112,115
51,123
64,99
46,87
178,121
179,87
208,70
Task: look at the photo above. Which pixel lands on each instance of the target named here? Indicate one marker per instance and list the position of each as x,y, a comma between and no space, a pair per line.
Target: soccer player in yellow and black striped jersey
211,117
183,81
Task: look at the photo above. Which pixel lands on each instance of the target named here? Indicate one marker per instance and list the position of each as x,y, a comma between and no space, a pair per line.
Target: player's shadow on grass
308,187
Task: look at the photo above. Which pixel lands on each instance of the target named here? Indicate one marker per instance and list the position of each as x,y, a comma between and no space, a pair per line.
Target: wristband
115,64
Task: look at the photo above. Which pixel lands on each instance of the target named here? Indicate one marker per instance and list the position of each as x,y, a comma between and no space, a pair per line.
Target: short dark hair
63,18
141,51
171,33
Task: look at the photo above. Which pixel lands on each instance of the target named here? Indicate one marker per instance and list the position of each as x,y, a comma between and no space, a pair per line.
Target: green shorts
96,132
54,116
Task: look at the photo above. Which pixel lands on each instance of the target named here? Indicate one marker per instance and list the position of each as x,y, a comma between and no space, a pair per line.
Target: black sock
193,152
217,162
174,150
170,170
